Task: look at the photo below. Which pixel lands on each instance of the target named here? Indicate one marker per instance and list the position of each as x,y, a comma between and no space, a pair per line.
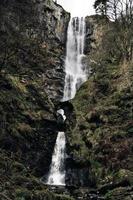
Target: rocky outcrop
33,37
101,138
34,33
32,45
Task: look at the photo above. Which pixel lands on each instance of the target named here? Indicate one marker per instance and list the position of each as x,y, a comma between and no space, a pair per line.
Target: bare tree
121,13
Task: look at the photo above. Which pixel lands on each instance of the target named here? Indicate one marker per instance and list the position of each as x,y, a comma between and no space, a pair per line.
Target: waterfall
57,171
75,70
75,76
57,168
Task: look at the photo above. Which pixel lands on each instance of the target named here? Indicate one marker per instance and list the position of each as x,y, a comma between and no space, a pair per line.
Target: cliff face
32,46
101,140
34,34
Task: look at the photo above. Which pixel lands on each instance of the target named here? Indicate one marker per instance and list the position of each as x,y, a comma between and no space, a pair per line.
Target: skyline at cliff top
78,7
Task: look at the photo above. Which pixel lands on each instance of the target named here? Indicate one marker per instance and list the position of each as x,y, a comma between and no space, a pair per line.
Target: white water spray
75,76
57,168
76,72
57,171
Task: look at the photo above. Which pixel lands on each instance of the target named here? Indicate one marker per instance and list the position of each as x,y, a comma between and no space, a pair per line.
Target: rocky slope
101,138
32,45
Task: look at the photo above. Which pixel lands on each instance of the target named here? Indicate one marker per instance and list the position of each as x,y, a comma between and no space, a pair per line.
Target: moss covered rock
103,109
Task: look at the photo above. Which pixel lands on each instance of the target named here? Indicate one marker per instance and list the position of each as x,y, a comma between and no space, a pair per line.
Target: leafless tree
121,13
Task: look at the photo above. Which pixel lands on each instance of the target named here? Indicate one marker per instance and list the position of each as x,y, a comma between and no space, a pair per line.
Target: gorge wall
34,34
32,46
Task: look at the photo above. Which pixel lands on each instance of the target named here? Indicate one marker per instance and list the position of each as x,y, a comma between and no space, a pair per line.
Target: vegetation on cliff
104,110
28,63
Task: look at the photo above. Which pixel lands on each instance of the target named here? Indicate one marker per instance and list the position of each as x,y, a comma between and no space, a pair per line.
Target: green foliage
122,193
104,120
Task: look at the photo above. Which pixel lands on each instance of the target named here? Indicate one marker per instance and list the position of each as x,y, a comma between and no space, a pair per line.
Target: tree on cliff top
101,6
121,13
114,9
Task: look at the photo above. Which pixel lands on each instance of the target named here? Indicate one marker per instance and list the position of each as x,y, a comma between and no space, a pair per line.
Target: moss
18,182
63,197
24,128
23,194
16,83
18,167
39,195
124,175
104,123
119,193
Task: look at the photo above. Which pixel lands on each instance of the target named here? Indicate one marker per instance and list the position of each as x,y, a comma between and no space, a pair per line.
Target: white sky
78,7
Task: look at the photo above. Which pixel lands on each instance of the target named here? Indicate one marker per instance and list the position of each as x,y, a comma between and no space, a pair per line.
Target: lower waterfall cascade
76,74
57,168
57,171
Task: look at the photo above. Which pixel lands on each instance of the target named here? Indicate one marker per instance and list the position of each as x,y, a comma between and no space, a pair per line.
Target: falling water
75,70
57,169
75,76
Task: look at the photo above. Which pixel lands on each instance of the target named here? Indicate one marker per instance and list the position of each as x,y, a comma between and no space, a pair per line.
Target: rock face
35,33
33,37
32,46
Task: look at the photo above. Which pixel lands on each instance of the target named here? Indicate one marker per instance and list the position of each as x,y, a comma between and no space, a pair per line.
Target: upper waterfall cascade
75,69
76,74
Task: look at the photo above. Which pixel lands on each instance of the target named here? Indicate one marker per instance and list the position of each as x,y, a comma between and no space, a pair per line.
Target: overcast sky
78,7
